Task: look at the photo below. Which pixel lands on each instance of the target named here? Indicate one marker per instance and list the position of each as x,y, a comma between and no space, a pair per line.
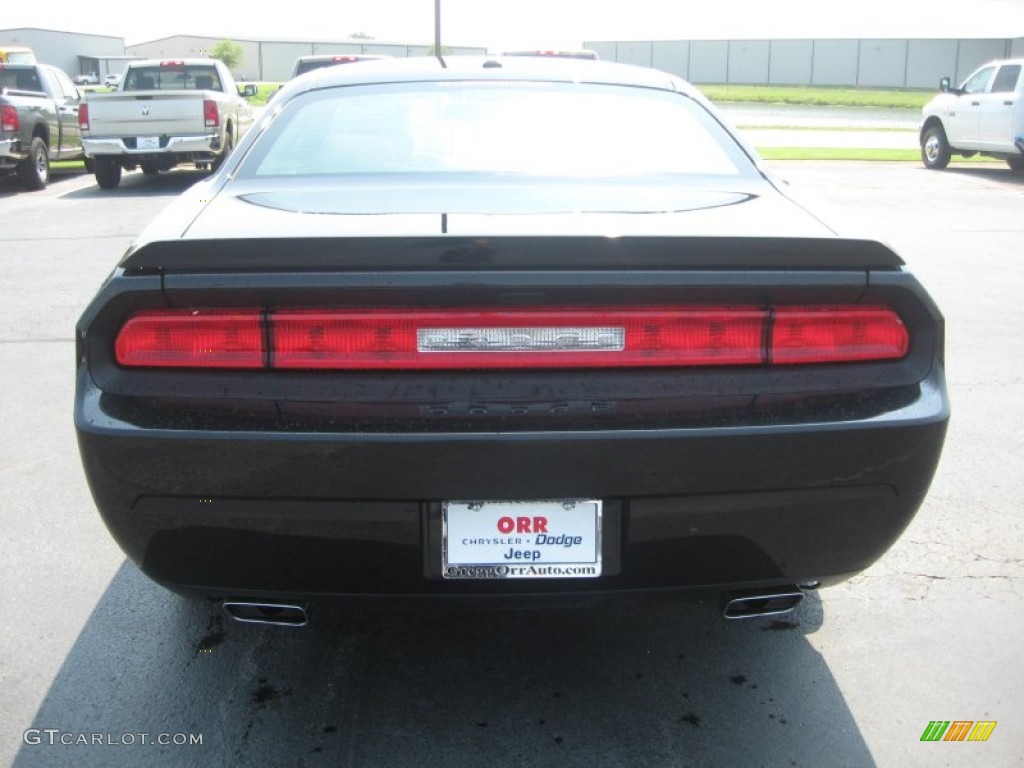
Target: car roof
529,68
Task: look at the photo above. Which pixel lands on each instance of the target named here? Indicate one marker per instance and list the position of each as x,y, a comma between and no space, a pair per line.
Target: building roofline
60,32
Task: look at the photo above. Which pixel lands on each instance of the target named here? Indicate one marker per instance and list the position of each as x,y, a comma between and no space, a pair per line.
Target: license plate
147,142
522,539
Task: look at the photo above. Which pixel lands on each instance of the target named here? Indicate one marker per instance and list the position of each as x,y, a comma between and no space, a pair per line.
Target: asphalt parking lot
932,632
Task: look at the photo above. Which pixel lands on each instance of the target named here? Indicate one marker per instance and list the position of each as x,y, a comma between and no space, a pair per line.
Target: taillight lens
464,339
9,118
83,117
210,338
837,334
211,112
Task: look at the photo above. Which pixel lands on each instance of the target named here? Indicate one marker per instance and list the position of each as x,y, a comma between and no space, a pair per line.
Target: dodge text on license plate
522,539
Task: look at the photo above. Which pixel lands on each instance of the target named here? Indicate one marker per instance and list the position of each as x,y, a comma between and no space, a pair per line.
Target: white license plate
147,142
522,539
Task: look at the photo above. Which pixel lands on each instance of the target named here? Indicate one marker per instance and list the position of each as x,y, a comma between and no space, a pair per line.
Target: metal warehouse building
876,63
855,62
73,52
273,59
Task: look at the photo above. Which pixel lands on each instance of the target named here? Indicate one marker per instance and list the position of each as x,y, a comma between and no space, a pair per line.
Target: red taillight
837,334
172,64
548,338
9,118
211,112
209,338
464,339
83,117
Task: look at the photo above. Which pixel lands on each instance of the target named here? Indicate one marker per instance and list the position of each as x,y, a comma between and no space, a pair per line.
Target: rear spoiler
507,253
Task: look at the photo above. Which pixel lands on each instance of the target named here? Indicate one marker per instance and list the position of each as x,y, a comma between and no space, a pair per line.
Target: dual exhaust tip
283,614
766,601
771,601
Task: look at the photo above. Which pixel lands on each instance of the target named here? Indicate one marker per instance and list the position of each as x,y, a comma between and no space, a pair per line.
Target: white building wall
749,61
791,62
672,56
639,53
928,61
835,62
709,61
882,63
878,63
63,49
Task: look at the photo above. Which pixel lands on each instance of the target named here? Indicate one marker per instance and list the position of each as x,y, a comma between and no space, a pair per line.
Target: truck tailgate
147,113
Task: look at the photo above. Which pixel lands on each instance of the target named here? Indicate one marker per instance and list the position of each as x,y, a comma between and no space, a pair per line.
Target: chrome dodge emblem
145,111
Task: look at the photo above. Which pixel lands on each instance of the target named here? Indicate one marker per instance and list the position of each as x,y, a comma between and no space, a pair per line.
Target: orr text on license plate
522,539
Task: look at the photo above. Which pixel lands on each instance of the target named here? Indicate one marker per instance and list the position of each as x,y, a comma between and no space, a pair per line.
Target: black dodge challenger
508,329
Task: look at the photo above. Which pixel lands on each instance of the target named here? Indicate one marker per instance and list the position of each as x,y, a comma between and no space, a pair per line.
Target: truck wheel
34,170
1015,163
108,172
229,144
150,167
935,150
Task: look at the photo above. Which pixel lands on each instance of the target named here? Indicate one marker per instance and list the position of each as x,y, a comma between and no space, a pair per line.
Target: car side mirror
944,85
249,90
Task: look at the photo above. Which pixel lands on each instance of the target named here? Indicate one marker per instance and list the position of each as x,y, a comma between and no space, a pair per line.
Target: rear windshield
545,129
20,79
308,66
196,77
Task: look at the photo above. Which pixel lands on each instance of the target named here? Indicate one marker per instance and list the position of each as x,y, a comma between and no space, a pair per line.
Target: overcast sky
510,23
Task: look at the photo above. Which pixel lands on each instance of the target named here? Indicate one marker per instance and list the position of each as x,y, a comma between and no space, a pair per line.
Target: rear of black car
462,389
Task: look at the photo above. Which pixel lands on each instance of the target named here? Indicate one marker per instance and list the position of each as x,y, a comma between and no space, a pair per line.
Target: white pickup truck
985,115
164,113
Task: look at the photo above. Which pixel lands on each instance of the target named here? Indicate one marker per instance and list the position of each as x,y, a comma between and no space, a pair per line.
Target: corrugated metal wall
273,60
883,63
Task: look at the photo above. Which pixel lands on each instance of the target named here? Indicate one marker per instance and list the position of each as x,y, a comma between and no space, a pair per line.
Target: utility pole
437,33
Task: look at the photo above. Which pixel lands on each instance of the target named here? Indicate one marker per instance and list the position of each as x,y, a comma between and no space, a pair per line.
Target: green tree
229,52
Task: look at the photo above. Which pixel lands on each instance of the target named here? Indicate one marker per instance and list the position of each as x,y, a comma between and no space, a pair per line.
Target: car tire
229,144
1015,163
935,149
34,171
108,173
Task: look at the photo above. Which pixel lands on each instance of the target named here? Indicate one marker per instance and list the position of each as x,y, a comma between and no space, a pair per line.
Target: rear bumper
11,152
209,144
357,514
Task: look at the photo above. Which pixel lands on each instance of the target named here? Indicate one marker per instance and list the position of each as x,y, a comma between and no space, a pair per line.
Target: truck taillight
83,117
9,118
482,339
211,112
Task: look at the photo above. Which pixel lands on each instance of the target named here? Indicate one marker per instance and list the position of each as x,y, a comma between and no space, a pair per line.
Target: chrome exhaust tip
770,601
262,612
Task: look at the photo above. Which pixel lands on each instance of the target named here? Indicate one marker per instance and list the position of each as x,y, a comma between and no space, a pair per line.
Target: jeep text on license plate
522,539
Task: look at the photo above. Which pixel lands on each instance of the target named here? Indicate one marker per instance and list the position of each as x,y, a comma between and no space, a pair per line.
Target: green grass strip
813,96
855,153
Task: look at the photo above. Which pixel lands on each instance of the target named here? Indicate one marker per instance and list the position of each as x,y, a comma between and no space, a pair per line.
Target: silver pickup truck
164,113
